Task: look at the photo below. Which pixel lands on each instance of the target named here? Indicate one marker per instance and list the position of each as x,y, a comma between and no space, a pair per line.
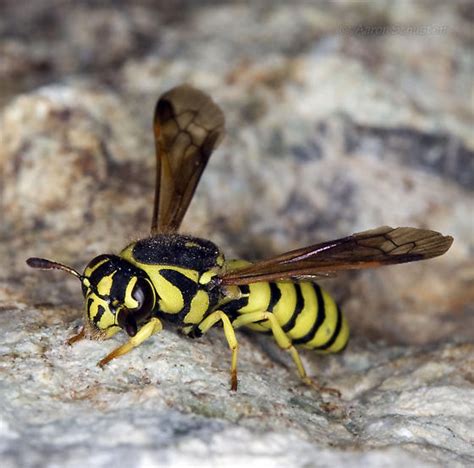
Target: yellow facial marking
88,271
130,302
105,285
111,331
98,312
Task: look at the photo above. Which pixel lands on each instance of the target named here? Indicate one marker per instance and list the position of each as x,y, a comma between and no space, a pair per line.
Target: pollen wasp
186,280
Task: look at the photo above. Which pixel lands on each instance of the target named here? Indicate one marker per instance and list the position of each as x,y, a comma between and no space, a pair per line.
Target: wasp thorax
117,295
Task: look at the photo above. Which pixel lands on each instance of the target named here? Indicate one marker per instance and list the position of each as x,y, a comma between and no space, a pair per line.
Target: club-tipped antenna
43,264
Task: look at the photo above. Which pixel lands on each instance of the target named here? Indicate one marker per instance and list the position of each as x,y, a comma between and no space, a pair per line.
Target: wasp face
117,295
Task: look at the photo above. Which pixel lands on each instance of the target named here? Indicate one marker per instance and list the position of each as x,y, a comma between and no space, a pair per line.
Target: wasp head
117,294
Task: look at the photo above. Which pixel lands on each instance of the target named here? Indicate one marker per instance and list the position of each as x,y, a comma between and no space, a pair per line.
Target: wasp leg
229,333
150,328
283,342
78,337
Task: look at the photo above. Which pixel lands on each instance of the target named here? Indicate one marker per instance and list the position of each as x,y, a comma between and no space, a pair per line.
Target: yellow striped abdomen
306,313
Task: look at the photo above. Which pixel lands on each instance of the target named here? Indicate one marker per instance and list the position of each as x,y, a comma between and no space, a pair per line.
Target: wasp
178,278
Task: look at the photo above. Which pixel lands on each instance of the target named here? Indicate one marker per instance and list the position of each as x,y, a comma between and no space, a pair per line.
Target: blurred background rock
341,116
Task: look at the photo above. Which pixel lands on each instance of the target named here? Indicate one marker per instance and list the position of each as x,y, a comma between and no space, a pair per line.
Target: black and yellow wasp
186,280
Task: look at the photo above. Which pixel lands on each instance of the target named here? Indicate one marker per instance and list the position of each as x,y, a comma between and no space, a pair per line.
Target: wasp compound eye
127,322
144,296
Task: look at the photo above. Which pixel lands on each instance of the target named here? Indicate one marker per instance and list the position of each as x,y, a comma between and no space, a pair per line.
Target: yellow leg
283,342
229,333
150,328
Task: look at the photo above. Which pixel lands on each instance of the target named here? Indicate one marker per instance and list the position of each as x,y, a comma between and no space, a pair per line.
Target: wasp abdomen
306,313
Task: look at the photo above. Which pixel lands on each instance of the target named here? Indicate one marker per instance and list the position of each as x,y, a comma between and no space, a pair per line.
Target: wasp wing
188,126
368,249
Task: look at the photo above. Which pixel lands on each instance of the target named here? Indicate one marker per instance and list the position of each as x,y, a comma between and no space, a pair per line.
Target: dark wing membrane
188,126
368,249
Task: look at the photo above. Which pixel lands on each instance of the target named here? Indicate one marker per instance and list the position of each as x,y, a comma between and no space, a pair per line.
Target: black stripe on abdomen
320,317
335,333
298,308
275,296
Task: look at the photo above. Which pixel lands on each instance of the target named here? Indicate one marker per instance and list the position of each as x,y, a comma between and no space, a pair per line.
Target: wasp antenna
43,264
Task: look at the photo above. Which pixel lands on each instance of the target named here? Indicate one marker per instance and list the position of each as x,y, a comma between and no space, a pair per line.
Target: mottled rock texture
341,116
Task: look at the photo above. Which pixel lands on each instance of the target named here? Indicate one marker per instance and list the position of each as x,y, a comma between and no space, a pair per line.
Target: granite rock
341,116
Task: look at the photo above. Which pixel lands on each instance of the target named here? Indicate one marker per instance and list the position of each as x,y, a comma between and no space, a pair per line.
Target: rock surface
341,116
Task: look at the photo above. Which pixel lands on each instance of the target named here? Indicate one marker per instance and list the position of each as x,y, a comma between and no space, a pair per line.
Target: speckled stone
341,116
